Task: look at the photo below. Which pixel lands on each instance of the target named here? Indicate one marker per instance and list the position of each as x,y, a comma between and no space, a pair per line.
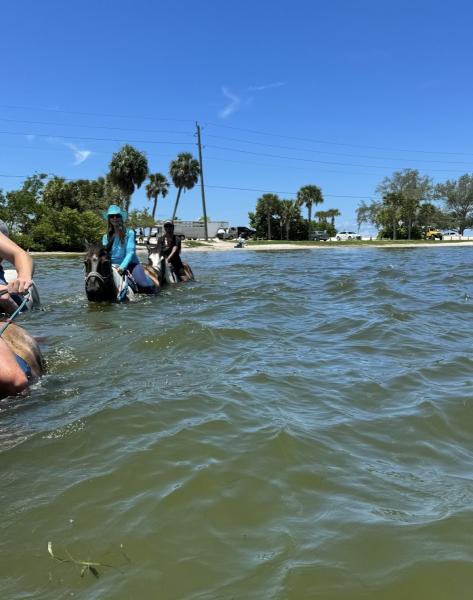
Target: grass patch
196,244
373,242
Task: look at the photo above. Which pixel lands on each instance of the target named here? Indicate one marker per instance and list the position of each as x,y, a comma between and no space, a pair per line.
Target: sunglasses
115,217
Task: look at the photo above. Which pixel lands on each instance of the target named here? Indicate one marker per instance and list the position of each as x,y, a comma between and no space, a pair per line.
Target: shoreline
229,246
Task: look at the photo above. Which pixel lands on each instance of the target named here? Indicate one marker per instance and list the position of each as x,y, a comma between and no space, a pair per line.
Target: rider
13,371
169,246
24,265
121,244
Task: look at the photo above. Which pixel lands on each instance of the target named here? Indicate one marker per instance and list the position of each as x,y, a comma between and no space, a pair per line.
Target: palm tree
158,186
331,214
269,204
184,172
309,195
288,210
128,169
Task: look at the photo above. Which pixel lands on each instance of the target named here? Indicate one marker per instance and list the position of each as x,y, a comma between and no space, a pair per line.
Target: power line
91,114
76,137
210,135
332,143
226,187
221,125
96,127
72,137
311,160
309,150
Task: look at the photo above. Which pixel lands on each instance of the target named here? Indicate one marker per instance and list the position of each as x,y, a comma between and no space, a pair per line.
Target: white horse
165,273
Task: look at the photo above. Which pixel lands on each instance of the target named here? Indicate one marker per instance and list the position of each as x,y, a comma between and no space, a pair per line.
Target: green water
293,425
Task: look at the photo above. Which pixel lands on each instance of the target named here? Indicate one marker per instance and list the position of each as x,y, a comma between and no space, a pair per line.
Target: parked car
432,233
319,236
343,236
451,232
232,233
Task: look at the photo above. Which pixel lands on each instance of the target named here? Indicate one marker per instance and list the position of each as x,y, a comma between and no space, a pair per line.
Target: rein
98,276
9,320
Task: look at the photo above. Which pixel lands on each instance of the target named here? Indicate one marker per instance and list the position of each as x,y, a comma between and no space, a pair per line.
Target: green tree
269,204
288,210
332,213
184,172
309,195
65,229
140,218
409,208
23,207
158,186
82,194
128,169
458,198
392,204
412,186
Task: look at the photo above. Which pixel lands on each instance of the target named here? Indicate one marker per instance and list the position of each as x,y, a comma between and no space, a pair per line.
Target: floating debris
86,566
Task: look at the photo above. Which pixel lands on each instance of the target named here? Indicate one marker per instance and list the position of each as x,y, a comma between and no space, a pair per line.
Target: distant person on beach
13,371
169,246
121,244
10,299
240,243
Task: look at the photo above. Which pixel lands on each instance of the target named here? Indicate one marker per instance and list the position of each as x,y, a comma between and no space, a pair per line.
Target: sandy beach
220,246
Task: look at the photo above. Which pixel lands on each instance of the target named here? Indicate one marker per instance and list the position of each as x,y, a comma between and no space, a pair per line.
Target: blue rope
10,319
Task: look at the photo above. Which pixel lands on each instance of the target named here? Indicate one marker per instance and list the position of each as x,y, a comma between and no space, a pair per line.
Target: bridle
94,274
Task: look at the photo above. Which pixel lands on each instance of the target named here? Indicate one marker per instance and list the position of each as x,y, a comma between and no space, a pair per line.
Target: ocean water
292,425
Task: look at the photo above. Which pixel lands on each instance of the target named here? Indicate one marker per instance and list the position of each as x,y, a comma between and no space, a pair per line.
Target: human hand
20,285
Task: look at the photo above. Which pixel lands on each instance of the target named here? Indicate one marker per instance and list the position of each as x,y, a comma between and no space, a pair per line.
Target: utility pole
202,181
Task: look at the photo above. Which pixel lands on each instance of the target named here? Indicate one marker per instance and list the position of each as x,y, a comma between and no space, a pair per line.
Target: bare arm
23,264
12,378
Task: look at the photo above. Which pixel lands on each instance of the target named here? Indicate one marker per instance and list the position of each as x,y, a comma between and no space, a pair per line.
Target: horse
103,282
26,349
165,272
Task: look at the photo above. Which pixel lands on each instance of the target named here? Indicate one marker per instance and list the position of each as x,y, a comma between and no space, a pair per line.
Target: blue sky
287,93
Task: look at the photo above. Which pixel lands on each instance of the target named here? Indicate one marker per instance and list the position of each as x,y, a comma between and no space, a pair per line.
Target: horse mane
97,248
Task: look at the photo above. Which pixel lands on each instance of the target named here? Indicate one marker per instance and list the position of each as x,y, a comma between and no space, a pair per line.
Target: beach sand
221,246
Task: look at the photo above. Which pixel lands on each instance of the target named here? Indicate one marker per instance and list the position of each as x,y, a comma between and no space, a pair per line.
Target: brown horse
104,283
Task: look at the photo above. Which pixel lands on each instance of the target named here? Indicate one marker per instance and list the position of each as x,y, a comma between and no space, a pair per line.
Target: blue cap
114,209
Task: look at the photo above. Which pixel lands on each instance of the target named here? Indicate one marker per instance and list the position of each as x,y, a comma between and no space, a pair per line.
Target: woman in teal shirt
120,243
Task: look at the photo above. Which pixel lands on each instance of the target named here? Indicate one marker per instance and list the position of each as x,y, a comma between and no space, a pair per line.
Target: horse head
99,284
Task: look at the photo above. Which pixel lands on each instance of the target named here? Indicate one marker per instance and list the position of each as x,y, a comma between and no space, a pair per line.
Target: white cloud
79,155
267,86
232,107
30,137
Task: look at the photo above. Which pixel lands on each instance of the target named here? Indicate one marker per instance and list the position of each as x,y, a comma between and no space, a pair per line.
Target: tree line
407,206
275,218
51,213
